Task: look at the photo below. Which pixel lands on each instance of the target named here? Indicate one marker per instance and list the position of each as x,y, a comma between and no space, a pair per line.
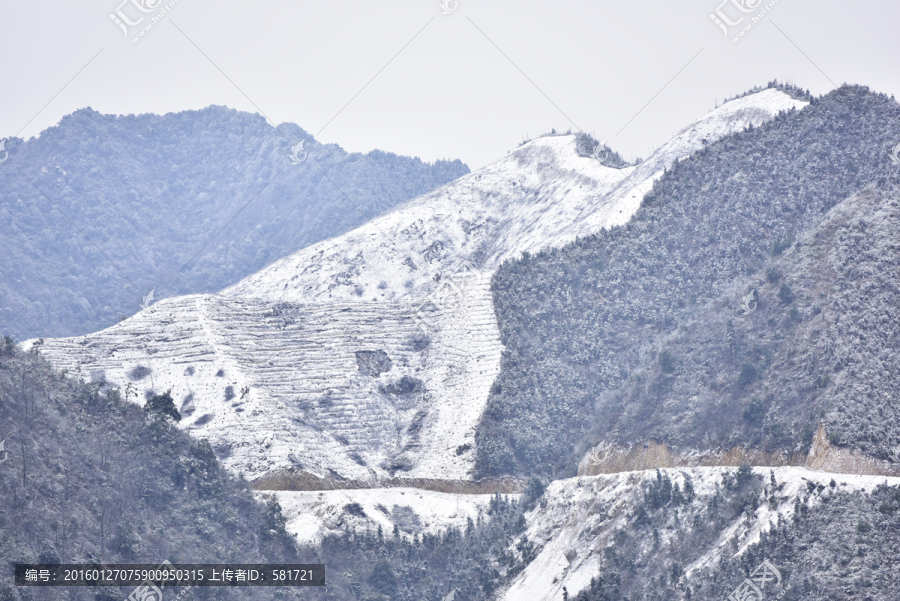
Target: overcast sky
404,77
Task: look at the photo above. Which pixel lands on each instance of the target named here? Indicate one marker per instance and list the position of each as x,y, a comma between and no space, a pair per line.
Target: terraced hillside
346,390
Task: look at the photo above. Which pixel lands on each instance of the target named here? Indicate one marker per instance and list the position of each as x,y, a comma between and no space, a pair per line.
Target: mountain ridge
626,333
287,339
105,208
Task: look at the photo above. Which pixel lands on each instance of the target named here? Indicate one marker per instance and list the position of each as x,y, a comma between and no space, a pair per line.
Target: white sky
450,92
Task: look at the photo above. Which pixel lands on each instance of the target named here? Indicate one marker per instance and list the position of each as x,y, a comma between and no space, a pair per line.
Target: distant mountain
368,358
151,191
746,311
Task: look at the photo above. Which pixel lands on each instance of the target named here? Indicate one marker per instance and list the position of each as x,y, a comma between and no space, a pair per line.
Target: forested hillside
638,334
648,536
677,543
146,193
90,477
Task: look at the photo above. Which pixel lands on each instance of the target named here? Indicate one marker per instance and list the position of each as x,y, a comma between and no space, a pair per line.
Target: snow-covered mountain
581,521
590,526
369,356
541,195
313,514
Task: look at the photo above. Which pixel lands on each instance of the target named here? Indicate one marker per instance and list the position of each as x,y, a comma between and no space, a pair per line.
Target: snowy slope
370,355
582,514
541,195
313,514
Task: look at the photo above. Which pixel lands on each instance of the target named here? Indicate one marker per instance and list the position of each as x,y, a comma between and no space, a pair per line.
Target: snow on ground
371,355
311,515
276,385
581,515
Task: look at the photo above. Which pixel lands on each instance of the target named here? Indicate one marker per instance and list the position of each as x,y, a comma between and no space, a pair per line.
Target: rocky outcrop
607,459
